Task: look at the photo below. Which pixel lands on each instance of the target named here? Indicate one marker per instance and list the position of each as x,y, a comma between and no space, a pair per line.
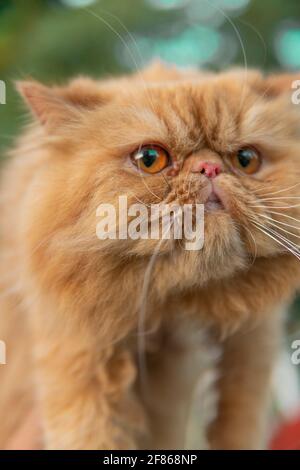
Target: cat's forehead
223,111
187,112
190,111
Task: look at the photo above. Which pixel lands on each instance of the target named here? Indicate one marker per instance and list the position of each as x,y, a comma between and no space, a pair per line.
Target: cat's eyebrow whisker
243,93
109,26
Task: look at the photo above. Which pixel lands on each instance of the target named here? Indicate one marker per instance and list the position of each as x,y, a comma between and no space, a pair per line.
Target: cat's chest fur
188,353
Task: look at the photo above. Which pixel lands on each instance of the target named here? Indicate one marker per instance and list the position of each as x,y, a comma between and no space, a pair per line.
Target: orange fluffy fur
70,304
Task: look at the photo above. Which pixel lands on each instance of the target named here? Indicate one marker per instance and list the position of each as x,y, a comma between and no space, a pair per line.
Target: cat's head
230,141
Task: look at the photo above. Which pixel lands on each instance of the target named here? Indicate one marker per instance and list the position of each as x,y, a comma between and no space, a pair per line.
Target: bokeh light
287,45
231,5
195,45
204,12
167,4
77,3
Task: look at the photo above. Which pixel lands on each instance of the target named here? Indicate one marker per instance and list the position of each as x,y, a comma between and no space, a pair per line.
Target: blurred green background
51,40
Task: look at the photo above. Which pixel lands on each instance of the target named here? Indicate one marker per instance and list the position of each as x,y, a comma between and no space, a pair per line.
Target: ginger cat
71,305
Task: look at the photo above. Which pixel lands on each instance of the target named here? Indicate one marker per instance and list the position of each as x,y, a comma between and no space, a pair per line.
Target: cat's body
121,331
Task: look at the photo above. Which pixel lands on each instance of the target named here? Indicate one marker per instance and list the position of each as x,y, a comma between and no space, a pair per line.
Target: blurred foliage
51,40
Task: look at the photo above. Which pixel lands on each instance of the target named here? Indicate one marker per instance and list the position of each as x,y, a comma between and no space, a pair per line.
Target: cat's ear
45,104
56,106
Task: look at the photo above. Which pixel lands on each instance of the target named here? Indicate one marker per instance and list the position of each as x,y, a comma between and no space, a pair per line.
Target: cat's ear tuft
45,103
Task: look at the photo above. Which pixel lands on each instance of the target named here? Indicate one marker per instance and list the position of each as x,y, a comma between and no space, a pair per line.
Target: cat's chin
219,259
213,206
223,253
222,256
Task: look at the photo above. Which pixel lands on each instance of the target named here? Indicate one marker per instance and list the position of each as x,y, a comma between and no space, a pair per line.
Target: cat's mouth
214,201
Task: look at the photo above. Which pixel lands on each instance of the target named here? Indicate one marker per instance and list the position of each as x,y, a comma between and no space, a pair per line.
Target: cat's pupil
245,157
149,157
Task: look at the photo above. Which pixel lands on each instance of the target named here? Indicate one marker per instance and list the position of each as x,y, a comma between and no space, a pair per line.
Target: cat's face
229,141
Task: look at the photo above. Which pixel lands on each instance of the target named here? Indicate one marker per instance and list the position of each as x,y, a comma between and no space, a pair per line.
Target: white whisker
288,242
283,238
276,192
120,37
279,222
284,215
283,229
279,198
278,241
261,206
263,188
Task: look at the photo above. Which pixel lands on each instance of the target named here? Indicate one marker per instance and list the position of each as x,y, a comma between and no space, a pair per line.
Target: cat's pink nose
209,169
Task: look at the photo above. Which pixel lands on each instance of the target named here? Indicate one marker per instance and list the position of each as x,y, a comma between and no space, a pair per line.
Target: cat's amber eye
246,160
151,159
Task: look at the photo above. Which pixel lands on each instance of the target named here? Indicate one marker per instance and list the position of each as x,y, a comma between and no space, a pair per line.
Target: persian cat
110,339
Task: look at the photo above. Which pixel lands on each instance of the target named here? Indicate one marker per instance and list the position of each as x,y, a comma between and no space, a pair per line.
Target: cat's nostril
209,169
